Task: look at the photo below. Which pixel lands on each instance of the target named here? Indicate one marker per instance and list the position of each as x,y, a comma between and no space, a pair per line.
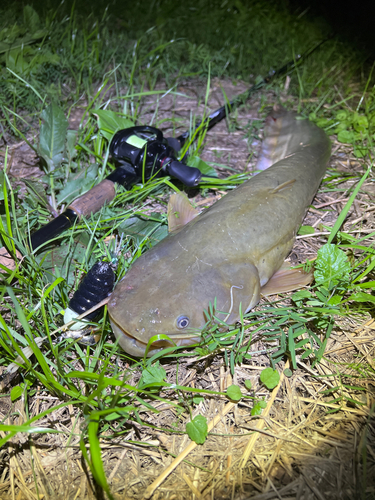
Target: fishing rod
221,113
142,152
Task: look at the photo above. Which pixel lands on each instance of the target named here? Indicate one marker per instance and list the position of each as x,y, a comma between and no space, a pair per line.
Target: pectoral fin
286,280
180,211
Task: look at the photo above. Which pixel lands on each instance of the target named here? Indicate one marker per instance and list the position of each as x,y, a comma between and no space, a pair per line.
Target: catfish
229,254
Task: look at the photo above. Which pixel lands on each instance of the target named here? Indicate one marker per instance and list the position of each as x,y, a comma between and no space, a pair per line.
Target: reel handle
190,176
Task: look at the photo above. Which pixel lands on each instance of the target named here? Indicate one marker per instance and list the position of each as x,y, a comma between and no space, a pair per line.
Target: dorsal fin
286,280
278,134
180,211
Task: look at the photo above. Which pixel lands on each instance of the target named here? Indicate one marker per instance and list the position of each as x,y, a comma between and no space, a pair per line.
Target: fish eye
182,322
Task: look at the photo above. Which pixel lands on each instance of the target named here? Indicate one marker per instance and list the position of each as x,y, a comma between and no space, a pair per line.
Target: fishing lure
95,287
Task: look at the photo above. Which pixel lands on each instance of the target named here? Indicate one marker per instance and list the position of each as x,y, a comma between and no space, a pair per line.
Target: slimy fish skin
228,252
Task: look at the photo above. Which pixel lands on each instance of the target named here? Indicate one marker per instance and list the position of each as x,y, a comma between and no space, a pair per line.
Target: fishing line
231,301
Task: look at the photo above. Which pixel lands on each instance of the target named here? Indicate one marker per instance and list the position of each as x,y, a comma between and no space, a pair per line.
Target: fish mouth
136,347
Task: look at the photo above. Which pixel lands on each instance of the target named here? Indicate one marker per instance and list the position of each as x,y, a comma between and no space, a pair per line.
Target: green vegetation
53,61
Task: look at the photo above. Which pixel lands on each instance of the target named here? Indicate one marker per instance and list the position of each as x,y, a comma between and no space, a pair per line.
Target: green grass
69,59
67,54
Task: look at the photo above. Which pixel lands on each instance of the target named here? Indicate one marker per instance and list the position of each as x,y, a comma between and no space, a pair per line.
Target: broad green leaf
60,260
234,392
334,300
306,230
110,122
270,378
78,184
360,152
37,190
16,392
300,296
324,122
52,136
248,384
362,297
257,408
31,18
341,115
71,137
152,375
341,126
361,124
21,42
160,233
197,400
141,228
345,137
331,266
197,429
288,372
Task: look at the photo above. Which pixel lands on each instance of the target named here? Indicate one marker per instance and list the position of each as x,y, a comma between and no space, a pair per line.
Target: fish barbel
228,252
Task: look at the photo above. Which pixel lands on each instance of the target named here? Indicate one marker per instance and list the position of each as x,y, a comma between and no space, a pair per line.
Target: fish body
229,251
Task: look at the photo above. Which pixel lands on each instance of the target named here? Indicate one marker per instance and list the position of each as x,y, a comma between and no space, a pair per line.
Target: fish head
170,307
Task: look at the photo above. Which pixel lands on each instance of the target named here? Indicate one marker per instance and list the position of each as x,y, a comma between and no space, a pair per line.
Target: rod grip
53,228
95,199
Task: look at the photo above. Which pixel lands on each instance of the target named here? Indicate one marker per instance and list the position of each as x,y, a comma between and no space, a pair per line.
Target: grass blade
344,213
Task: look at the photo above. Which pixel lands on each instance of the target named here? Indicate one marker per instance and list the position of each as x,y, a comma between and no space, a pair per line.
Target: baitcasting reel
148,153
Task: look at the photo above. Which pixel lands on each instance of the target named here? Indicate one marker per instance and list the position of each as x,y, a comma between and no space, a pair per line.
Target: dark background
354,21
